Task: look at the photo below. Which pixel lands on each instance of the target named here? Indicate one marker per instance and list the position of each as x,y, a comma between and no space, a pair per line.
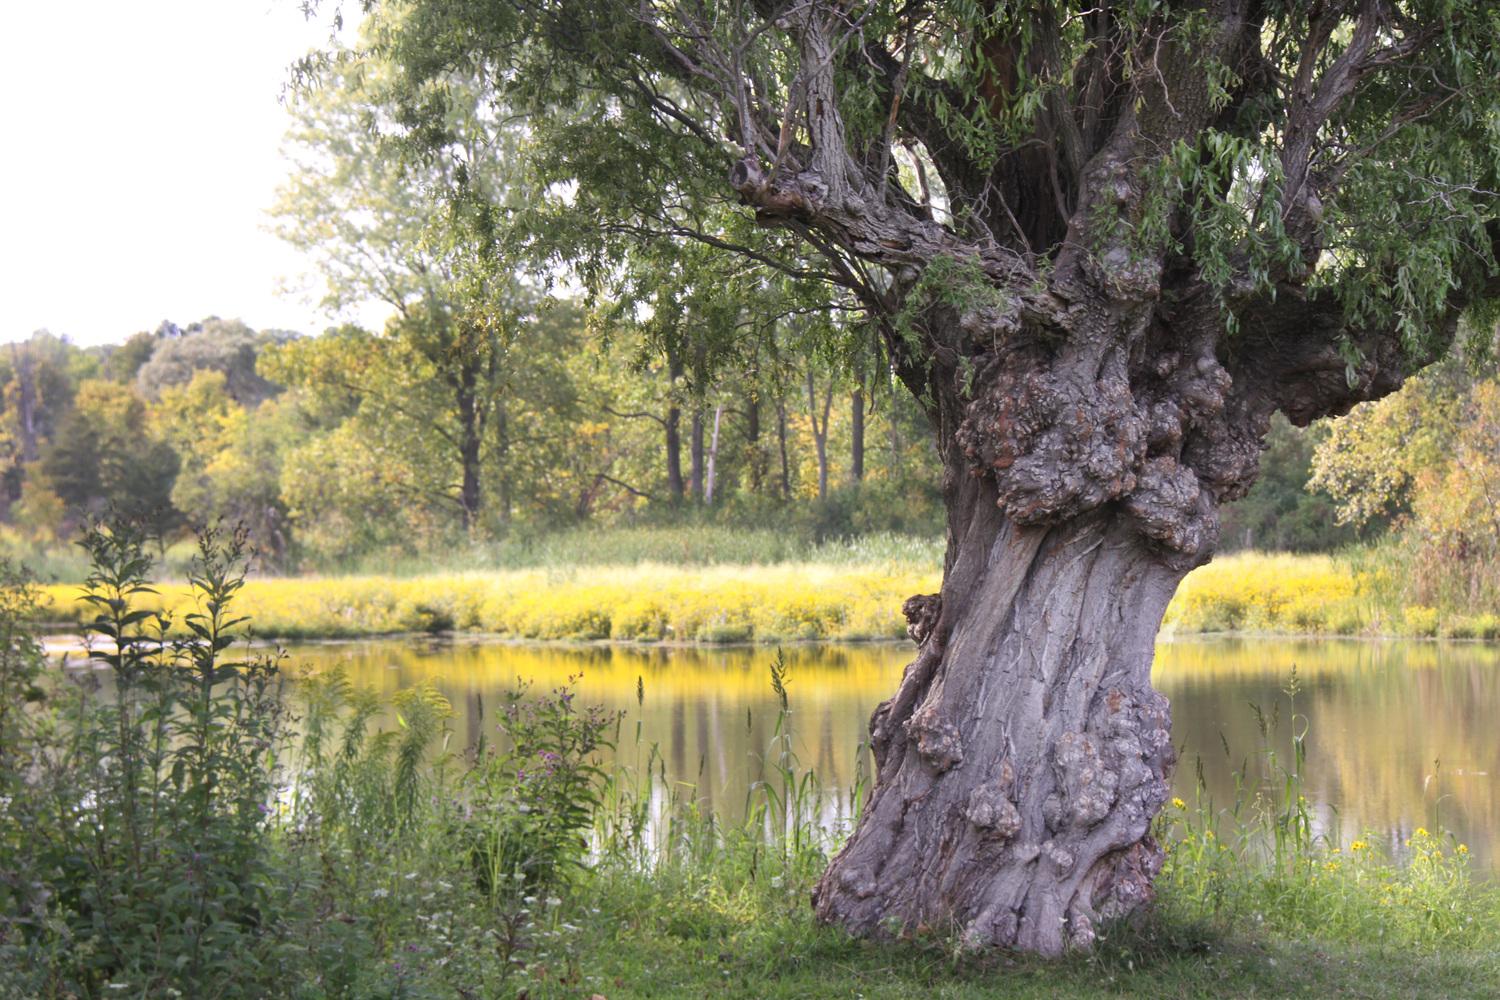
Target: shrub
533,793
143,822
1421,621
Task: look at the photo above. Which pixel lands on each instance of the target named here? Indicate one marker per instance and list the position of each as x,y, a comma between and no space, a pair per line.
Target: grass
676,904
697,545
392,864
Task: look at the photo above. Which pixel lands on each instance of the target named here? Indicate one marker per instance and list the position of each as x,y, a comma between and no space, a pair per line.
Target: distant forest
333,446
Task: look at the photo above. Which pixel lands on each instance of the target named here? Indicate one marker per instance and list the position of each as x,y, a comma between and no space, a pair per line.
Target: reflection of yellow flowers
1179,804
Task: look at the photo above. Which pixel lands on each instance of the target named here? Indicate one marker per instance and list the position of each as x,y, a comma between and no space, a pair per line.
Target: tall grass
1366,590
678,545
1268,856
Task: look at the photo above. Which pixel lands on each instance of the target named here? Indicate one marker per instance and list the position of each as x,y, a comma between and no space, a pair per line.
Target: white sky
141,149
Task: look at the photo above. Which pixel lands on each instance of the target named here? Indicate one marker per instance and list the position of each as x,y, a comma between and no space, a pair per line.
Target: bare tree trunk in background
672,424
500,468
713,455
820,434
695,453
755,458
857,436
26,382
786,472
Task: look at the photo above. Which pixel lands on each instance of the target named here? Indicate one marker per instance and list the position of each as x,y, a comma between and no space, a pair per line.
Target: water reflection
1399,734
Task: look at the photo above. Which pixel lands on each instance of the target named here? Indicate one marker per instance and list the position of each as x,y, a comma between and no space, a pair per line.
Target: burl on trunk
1093,412
1089,436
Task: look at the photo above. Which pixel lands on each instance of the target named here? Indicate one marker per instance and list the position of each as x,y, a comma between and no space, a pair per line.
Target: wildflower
380,893
1179,804
1358,845
1463,848
1420,832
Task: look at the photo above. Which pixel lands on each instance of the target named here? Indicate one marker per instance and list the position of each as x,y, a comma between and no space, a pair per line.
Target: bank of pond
462,816
789,602
466,817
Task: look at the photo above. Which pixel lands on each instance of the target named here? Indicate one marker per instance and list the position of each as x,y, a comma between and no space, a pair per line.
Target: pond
1399,735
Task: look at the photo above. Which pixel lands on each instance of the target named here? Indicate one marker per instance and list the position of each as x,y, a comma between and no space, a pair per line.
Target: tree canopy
1101,244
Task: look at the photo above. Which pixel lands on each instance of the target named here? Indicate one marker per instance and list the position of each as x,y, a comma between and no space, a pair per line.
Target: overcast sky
141,151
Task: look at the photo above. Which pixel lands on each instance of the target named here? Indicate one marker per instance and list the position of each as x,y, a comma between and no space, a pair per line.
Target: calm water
1399,734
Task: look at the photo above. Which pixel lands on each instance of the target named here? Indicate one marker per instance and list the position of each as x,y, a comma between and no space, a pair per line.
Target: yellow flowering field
1249,592
1259,592
648,602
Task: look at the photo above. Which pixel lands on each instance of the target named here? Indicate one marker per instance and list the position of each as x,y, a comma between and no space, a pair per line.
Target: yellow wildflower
1179,804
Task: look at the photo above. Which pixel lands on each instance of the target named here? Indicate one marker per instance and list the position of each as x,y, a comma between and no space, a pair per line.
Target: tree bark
695,453
1021,761
713,456
672,424
857,436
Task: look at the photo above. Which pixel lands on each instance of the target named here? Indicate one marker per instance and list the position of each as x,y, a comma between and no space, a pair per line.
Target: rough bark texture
1025,754
672,425
1095,398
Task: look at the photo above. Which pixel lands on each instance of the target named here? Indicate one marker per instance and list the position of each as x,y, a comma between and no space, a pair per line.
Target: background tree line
333,446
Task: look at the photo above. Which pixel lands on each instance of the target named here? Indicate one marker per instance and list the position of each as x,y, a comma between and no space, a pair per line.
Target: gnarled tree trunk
1122,296
1023,757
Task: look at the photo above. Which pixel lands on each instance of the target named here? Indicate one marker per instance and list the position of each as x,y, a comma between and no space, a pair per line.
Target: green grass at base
713,929
632,955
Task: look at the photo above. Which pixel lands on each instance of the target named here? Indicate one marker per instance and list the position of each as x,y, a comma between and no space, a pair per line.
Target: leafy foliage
139,826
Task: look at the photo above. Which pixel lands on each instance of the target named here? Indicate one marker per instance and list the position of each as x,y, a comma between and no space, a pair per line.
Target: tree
1103,243
38,378
104,452
1282,513
1425,458
226,346
366,217
231,458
